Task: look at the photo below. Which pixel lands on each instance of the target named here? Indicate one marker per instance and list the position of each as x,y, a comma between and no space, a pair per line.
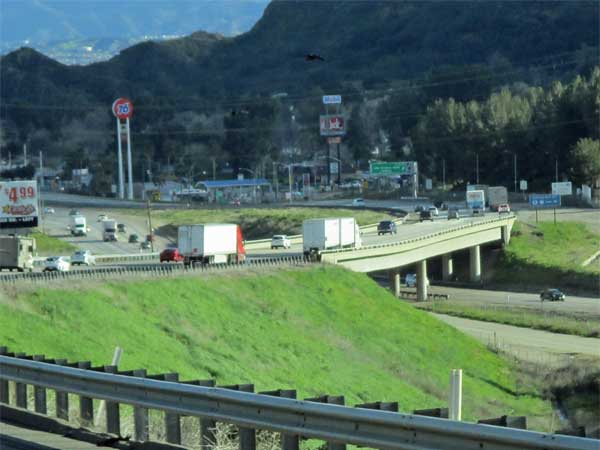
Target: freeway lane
20,438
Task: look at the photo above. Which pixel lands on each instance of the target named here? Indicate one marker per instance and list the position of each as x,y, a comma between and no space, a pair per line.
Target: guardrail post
207,426
332,400
62,398
4,392
140,415
247,435
381,406
21,389
442,413
288,441
172,422
113,416
507,421
86,404
39,393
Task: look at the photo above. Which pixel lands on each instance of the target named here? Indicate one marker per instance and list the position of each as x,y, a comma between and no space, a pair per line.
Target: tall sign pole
122,109
333,126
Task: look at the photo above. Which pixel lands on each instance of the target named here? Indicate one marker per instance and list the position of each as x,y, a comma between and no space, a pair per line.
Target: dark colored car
419,208
552,295
170,254
425,215
133,238
453,214
386,226
150,238
121,228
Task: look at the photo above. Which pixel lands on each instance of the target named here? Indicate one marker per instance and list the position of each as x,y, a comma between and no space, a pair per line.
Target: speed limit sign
122,108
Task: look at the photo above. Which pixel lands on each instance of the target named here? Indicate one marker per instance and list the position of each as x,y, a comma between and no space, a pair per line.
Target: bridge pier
447,267
475,264
395,282
422,280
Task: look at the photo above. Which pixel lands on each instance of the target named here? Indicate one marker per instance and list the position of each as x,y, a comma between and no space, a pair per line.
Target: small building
251,190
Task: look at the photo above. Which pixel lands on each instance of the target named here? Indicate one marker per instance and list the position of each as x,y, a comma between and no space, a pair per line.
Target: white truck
476,200
78,225
497,195
109,230
16,253
213,243
327,234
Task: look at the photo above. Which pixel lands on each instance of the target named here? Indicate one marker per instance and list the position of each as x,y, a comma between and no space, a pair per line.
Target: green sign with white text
392,168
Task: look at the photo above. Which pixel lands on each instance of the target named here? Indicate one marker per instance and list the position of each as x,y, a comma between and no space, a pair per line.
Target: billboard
332,125
544,200
564,188
18,204
392,168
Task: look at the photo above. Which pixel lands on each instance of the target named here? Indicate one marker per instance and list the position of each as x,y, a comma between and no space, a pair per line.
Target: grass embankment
538,319
550,255
258,223
48,245
319,330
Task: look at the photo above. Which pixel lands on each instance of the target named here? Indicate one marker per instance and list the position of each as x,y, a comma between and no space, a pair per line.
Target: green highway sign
392,168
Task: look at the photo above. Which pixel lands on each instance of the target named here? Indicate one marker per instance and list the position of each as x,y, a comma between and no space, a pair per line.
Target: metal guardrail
293,418
153,270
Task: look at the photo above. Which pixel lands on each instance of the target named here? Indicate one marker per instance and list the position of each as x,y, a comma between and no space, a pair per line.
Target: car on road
453,214
48,210
150,238
56,264
503,208
83,257
386,226
134,238
102,217
433,210
425,214
552,295
419,208
74,212
358,202
411,280
121,228
145,245
280,241
170,255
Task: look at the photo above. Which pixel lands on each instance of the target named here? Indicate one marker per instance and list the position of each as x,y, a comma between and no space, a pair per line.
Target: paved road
476,297
17,438
525,342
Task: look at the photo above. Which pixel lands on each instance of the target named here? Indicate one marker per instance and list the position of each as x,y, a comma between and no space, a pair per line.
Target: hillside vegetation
319,330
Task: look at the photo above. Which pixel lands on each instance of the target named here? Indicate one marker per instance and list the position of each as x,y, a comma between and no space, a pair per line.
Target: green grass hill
321,330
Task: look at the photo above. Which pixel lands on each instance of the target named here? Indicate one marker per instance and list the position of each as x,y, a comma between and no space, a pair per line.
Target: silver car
83,257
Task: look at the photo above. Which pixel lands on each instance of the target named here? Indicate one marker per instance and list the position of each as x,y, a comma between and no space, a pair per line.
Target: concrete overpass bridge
417,250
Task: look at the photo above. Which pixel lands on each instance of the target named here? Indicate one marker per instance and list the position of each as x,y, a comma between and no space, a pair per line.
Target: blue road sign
544,200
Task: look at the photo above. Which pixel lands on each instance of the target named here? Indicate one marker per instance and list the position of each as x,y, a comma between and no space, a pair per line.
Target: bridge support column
447,267
475,264
395,282
422,281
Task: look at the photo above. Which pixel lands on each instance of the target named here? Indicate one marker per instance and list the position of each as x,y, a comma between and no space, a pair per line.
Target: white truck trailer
497,195
78,226
16,253
109,230
476,200
211,244
327,234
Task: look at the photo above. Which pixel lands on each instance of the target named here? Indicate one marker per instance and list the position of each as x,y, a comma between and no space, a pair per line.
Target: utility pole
515,173
290,181
556,171
477,167
276,181
150,233
444,174
24,155
214,167
339,163
41,172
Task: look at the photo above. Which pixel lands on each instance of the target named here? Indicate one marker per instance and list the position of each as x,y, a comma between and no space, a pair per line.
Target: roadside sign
332,125
564,188
392,168
332,99
544,200
428,184
333,168
523,185
18,204
122,108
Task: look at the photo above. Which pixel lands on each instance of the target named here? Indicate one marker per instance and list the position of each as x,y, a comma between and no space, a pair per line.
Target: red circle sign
122,108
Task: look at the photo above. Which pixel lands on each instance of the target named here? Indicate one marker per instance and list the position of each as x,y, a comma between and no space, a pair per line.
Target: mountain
84,31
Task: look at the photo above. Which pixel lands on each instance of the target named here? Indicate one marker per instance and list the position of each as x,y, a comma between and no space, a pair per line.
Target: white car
503,208
280,241
84,257
48,210
411,280
434,211
57,264
102,217
358,202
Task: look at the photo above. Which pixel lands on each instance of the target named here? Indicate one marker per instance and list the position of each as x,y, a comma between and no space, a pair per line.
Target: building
252,190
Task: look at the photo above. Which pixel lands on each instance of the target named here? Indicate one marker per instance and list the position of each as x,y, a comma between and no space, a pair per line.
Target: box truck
476,200
109,230
78,226
497,195
327,234
16,252
480,187
211,244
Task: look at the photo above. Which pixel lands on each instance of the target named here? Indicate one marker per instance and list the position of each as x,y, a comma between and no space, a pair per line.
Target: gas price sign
18,204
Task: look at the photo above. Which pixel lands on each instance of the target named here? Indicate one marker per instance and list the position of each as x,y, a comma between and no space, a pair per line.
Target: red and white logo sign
332,125
122,108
